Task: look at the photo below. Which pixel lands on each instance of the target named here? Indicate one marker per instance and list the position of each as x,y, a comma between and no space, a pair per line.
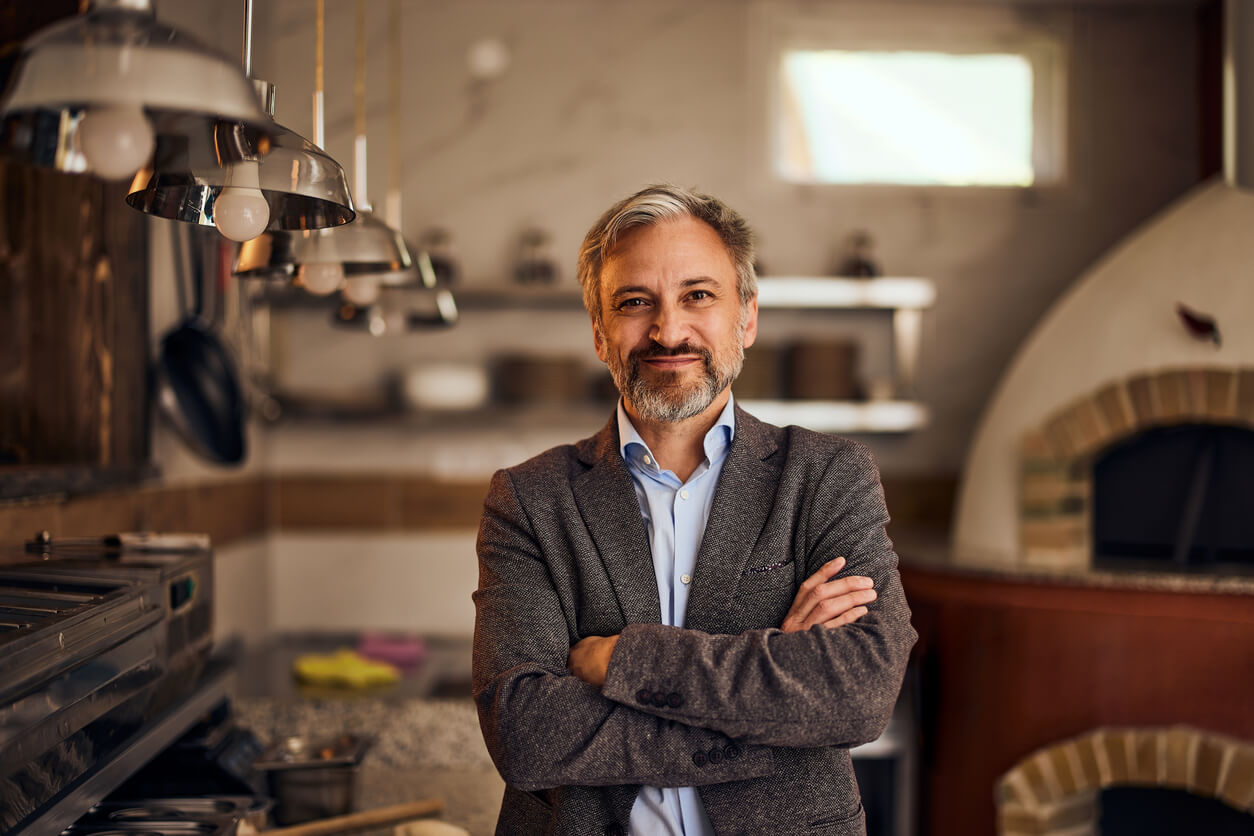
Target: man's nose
670,326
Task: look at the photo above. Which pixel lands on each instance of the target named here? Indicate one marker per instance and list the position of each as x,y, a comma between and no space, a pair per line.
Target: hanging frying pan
194,379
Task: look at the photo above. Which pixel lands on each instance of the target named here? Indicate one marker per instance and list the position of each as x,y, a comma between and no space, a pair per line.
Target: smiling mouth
671,362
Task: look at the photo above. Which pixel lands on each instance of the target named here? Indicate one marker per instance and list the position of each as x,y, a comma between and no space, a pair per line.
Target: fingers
829,608
819,599
807,594
826,572
847,617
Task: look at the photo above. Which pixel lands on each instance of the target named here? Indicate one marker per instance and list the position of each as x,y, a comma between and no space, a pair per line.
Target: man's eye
630,303
700,295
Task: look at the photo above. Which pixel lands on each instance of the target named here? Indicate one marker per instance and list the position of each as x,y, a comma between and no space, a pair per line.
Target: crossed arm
828,676
823,599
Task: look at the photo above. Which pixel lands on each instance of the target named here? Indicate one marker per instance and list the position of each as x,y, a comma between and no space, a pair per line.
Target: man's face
673,330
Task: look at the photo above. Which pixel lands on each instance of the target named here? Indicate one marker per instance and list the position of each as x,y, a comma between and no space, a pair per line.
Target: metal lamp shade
304,186
117,55
400,309
367,246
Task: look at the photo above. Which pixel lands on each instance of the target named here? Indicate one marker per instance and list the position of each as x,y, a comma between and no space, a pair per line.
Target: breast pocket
757,578
765,594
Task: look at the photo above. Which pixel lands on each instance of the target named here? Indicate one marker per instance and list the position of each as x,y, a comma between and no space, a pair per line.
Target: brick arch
1055,486
1054,791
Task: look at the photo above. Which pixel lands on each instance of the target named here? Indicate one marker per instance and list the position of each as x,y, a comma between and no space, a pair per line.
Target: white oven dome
1116,320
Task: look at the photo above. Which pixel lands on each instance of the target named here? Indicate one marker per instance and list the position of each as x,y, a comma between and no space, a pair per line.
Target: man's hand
821,600
589,659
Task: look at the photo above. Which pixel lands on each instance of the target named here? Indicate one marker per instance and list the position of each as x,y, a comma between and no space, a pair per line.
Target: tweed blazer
759,720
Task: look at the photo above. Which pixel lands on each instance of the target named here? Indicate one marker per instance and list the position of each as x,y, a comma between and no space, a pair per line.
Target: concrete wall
601,98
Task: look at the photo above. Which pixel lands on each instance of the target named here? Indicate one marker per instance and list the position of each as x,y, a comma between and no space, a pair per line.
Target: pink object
403,651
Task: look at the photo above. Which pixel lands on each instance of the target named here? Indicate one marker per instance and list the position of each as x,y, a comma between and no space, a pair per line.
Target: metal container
225,827
212,809
92,645
313,779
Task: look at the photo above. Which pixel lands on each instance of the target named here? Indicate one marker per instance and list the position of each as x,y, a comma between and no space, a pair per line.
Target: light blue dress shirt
674,514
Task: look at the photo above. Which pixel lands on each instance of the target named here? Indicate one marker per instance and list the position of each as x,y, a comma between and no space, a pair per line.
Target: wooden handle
364,820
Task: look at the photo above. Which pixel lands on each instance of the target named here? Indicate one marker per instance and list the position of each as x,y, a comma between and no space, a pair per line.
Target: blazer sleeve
820,687
544,727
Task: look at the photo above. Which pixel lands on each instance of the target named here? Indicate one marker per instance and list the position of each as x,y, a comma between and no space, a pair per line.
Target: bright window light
904,117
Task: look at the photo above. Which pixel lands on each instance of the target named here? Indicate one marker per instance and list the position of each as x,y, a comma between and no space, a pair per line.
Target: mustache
655,350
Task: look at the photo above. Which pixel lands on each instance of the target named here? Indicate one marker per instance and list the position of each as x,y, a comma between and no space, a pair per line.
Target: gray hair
653,205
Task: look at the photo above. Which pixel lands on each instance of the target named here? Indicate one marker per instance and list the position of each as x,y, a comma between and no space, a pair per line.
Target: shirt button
683,494
648,460
686,578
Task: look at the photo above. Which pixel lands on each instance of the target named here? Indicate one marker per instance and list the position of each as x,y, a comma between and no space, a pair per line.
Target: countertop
425,730
423,748
933,552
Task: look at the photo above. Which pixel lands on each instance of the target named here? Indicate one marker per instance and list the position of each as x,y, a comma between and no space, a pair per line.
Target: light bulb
116,140
321,277
361,290
240,211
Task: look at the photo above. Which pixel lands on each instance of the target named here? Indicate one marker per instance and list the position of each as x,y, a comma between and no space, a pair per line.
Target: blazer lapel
742,501
607,502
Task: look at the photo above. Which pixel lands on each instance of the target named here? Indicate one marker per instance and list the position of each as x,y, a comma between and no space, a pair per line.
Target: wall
601,98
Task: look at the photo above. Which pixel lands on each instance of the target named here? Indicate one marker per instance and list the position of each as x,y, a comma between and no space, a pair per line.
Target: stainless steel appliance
98,646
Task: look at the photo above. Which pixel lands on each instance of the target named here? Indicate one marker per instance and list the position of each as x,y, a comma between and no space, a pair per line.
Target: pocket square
770,567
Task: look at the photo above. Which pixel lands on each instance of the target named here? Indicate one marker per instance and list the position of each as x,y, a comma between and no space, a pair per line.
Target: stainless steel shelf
216,683
836,293
780,292
843,416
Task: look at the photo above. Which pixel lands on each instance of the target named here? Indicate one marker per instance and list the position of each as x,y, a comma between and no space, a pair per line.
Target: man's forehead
685,248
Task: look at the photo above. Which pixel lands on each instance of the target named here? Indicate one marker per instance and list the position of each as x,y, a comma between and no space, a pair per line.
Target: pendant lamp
396,301
96,93
358,258
321,261
295,186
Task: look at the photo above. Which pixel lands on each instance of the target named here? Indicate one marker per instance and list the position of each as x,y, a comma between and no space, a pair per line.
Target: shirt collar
717,439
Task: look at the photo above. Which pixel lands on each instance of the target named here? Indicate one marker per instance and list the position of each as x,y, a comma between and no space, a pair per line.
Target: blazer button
674,700
731,751
716,755
699,758
644,696
659,699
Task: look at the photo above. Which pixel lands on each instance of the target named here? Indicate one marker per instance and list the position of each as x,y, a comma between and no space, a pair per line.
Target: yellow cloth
344,668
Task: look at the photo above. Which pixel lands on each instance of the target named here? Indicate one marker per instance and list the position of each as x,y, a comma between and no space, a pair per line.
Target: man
685,621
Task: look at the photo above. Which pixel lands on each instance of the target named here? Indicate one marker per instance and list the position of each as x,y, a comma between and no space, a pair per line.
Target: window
961,99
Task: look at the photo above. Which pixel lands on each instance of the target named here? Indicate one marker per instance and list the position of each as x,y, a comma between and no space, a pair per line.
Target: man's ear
598,340
751,322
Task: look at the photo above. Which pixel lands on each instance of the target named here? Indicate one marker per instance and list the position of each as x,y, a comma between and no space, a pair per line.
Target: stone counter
423,748
934,553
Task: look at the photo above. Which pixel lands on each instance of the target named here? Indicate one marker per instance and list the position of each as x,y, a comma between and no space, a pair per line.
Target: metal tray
304,753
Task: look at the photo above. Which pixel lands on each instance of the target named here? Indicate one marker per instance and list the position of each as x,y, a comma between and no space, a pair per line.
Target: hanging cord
359,94
248,38
394,117
319,136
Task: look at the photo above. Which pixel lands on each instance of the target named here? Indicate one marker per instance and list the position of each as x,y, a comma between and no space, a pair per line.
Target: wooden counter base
1007,667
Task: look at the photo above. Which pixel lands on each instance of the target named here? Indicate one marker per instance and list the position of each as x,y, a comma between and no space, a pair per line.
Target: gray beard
671,404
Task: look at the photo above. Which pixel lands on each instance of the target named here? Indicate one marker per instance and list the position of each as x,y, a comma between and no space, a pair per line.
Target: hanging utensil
194,378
